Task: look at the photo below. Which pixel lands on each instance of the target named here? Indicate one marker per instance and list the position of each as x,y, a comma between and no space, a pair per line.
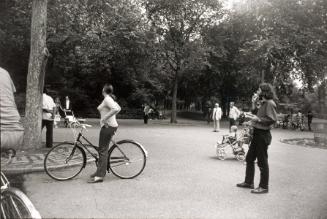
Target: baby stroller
298,121
235,142
69,119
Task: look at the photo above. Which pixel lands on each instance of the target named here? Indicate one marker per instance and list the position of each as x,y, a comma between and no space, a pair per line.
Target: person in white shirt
48,107
234,113
108,109
146,112
67,103
216,116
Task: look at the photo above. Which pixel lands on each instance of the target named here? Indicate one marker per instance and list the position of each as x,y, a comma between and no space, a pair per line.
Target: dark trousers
258,149
231,123
49,134
146,118
309,124
106,134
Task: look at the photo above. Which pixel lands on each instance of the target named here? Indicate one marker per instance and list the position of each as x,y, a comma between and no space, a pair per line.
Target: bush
129,113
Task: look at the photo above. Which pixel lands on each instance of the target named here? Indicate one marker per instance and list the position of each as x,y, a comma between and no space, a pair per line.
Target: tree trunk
35,77
322,98
173,118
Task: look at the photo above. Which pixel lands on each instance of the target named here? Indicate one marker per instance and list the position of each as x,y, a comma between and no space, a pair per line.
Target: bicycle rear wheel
127,159
15,204
64,161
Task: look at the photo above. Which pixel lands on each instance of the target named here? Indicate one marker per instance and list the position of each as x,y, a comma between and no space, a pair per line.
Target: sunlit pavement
184,179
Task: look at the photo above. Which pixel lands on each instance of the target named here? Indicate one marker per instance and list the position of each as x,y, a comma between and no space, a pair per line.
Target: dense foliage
173,51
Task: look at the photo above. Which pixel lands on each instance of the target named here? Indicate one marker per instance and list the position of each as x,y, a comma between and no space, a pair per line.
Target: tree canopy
167,52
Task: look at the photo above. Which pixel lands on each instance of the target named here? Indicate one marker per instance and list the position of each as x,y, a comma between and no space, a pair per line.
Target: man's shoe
245,185
96,179
259,190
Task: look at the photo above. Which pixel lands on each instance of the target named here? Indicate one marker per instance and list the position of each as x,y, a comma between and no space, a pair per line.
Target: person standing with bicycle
108,109
262,122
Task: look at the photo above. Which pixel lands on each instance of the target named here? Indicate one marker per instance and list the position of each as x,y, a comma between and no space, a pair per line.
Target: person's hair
267,91
108,89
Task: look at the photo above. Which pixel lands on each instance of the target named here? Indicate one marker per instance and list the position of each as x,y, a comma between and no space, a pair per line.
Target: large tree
35,77
177,23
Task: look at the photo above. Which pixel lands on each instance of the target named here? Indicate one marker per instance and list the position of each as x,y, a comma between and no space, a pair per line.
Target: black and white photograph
163,109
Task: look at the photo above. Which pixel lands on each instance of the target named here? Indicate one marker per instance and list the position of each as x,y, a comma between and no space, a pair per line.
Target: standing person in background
48,107
108,109
255,102
146,112
310,116
68,112
233,115
258,149
209,115
67,104
57,112
216,116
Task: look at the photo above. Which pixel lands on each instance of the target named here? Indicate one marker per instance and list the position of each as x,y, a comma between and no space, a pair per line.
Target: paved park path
184,179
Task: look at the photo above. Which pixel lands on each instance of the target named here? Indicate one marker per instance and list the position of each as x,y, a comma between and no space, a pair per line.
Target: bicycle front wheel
127,159
64,161
15,204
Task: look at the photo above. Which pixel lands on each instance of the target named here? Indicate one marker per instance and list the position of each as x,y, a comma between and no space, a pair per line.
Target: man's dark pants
231,123
49,134
309,123
258,149
145,118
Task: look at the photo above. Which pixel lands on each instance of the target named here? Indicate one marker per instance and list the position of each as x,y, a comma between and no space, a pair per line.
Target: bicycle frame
77,140
113,160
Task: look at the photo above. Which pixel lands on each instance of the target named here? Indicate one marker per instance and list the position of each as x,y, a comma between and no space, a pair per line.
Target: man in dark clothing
262,123
310,116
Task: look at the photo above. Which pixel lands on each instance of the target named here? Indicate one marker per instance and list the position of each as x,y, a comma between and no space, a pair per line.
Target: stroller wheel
240,156
72,125
221,153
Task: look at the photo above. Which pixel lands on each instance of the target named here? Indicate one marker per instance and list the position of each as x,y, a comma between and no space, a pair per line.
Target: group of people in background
150,112
216,115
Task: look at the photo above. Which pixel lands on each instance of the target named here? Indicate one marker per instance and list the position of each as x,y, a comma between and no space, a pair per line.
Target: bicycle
14,203
126,160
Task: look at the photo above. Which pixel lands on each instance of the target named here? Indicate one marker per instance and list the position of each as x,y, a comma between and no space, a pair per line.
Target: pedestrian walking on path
234,113
310,116
216,116
258,149
146,112
48,108
108,109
